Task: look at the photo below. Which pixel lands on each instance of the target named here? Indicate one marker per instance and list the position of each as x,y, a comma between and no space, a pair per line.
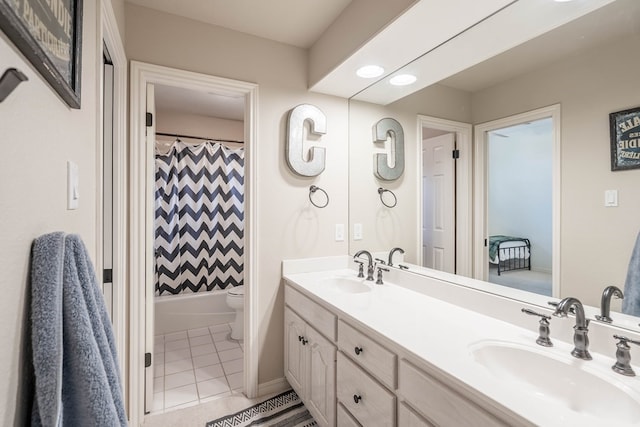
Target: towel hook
312,190
381,192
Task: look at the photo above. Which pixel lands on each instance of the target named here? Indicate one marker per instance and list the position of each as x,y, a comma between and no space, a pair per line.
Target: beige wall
288,226
596,241
118,11
39,134
385,228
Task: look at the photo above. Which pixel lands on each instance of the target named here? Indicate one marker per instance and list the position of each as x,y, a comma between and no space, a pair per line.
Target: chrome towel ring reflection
381,192
312,190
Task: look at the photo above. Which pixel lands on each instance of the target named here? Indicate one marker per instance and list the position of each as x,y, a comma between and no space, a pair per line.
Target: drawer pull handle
357,398
358,350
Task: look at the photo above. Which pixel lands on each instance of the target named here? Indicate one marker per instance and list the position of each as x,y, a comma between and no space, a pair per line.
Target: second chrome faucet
580,337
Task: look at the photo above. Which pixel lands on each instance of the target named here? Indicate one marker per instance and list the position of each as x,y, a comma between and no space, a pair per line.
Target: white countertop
444,335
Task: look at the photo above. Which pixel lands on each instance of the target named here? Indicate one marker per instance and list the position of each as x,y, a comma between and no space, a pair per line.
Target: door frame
141,74
109,36
481,131
464,201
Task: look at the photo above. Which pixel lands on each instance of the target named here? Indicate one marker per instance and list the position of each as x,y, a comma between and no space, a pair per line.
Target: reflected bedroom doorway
520,241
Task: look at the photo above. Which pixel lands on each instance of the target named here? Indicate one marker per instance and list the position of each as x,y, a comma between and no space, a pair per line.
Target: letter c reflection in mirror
295,138
389,127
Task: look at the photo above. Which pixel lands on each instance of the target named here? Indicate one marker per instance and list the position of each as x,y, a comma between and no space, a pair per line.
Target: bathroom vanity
403,354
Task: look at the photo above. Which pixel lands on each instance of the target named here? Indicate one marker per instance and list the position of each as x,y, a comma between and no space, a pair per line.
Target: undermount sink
346,284
567,381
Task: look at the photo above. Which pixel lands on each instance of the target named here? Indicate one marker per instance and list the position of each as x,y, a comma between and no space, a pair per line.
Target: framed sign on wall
625,139
49,35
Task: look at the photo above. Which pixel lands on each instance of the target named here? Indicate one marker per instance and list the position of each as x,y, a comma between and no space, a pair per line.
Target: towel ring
312,190
381,191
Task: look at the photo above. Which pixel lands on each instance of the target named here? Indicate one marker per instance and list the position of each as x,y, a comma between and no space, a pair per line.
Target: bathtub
175,313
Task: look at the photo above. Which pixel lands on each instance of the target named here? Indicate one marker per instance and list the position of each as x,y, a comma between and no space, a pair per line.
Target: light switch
357,231
73,186
611,198
339,232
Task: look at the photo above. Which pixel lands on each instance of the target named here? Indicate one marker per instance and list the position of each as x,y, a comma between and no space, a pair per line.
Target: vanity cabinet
310,362
348,377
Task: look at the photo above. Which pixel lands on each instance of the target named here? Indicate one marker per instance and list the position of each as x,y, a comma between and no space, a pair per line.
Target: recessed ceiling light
370,71
563,1
402,79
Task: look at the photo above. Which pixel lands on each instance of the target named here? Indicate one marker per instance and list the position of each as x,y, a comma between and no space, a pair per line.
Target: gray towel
631,301
75,362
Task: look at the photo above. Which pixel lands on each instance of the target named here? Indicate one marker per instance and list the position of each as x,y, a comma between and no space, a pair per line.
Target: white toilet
235,300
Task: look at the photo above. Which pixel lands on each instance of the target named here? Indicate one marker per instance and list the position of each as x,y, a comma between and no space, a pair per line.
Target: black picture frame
625,139
49,35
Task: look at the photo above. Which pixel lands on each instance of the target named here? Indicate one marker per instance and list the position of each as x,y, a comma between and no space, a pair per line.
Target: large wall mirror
570,79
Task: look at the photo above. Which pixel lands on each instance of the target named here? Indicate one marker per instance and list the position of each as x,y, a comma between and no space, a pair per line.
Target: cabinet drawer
368,353
345,419
321,319
438,402
408,418
367,400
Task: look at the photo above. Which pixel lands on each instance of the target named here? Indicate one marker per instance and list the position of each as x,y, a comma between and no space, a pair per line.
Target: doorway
142,263
517,180
445,171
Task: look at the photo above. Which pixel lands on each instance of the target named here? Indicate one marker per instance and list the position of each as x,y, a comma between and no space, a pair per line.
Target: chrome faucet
393,251
605,303
370,260
580,338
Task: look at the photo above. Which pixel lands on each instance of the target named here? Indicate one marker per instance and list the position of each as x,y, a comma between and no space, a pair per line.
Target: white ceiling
295,22
170,98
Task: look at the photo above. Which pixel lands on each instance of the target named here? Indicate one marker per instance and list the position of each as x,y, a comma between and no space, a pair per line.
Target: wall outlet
357,231
339,232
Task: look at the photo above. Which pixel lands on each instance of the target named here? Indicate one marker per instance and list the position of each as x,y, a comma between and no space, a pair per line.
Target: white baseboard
274,386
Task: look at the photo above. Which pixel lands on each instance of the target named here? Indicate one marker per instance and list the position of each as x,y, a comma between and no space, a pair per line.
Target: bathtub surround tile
209,372
233,366
213,387
176,345
198,332
158,385
158,370
232,354
179,379
158,358
173,355
202,349
200,340
177,366
180,395
226,345
206,360
235,380
175,336
158,347
157,406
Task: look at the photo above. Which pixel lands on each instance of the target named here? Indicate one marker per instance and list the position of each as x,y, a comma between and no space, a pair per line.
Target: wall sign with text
49,35
625,139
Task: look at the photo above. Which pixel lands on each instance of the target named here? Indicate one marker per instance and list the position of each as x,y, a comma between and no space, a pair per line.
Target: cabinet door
321,390
294,363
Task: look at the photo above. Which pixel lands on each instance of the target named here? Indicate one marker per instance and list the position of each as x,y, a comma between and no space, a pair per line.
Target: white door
149,249
294,330
321,392
438,203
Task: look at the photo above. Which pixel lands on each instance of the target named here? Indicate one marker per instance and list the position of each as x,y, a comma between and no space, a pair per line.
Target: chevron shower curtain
199,218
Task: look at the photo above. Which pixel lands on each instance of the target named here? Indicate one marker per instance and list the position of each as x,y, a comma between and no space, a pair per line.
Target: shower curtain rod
175,135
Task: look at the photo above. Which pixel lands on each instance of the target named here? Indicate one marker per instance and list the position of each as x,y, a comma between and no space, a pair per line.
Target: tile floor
196,366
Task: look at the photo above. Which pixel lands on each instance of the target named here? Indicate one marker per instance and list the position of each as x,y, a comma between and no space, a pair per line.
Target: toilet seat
236,291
